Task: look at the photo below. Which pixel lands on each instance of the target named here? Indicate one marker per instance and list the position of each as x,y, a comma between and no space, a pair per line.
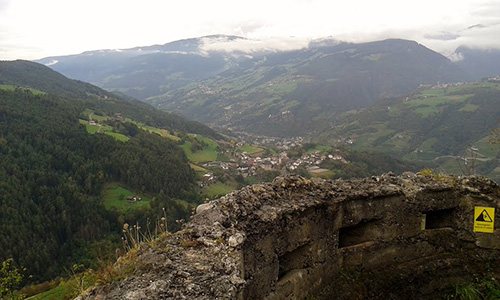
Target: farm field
207,153
12,88
115,196
250,149
219,189
105,129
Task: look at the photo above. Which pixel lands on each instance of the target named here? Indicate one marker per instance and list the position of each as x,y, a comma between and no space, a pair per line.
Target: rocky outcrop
387,237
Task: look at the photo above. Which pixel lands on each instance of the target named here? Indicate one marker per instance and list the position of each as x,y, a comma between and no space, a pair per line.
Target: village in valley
223,166
279,156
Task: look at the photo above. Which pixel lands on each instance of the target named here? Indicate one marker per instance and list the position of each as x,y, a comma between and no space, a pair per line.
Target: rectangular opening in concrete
298,258
438,218
358,234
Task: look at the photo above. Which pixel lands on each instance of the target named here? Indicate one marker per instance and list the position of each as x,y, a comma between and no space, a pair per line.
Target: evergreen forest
52,172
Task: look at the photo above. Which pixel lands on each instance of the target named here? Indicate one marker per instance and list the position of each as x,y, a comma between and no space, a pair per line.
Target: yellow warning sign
484,219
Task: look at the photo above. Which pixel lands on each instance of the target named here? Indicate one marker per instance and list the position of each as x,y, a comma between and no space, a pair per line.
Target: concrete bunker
358,234
396,237
441,218
294,260
385,233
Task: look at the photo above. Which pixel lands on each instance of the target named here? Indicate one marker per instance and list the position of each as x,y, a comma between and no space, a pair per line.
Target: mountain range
297,92
265,91
328,91
143,72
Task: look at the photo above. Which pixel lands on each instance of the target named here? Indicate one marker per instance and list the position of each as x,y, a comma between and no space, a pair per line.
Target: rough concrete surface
385,237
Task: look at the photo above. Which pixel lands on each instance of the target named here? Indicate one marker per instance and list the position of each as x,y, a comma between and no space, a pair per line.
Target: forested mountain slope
52,170
33,75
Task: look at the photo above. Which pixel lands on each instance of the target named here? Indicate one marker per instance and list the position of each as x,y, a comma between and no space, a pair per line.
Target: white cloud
52,62
456,57
442,36
224,44
33,28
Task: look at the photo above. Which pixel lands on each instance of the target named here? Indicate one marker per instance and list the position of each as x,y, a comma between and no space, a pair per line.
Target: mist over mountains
479,63
272,89
143,72
298,91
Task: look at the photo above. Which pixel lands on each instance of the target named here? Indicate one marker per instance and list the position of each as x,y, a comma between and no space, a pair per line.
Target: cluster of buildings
495,79
204,90
247,165
312,161
134,199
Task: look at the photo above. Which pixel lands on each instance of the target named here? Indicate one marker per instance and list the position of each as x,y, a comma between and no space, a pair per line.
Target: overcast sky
32,29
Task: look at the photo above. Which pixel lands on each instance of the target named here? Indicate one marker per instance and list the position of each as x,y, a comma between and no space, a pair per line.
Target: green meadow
206,154
219,189
106,129
115,196
250,149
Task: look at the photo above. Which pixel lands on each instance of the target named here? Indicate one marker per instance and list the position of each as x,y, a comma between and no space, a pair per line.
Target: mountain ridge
34,75
311,84
280,90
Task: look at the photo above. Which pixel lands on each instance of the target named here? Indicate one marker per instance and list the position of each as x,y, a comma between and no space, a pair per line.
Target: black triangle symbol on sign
484,217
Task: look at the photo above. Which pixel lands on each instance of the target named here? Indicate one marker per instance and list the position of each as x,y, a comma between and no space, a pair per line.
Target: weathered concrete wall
360,225
387,237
